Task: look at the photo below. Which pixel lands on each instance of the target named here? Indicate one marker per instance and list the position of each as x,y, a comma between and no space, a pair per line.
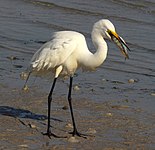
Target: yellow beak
119,42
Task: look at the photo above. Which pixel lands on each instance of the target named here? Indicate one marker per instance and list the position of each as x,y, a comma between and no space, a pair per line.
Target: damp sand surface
112,124
114,106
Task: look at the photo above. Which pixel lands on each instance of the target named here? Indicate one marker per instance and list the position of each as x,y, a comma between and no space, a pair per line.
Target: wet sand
112,124
115,104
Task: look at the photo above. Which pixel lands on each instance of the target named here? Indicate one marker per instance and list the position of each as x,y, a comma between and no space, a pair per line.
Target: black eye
110,33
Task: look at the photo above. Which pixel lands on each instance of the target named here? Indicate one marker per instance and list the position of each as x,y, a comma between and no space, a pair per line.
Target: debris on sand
69,125
109,114
91,131
25,88
76,88
73,140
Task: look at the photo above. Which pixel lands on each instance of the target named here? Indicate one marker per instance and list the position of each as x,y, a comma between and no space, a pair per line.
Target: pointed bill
120,43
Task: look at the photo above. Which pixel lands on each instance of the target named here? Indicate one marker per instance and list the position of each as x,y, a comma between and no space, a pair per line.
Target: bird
66,52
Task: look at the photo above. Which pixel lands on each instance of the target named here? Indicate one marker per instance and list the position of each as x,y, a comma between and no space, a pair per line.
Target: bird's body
59,52
67,51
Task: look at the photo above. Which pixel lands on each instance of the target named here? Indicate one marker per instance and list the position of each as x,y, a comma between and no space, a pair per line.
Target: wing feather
53,53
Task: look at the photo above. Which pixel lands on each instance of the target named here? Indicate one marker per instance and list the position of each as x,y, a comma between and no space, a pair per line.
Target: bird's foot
50,134
76,133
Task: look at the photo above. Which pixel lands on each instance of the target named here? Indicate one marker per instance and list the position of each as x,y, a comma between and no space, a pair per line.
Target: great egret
68,51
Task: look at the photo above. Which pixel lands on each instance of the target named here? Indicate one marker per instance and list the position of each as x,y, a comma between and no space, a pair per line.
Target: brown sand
23,120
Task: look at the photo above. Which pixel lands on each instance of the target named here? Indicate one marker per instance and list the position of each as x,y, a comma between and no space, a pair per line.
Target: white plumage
68,51
58,52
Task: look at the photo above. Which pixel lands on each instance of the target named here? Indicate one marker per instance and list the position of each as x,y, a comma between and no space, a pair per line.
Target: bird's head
107,30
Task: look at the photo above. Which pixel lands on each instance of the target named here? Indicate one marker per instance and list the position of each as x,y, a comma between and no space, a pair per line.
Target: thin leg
49,134
29,73
75,132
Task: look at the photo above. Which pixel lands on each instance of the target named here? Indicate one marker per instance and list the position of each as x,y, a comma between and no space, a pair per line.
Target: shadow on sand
22,113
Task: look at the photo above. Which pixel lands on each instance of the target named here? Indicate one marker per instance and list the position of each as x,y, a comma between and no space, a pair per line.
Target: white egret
68,51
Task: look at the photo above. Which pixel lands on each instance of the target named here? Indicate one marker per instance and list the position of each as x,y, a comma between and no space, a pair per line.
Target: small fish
122,45
119,42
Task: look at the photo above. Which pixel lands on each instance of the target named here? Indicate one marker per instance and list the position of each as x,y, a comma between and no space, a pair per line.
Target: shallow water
26,24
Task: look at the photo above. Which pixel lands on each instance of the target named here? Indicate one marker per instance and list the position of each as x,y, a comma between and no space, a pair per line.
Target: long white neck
100,55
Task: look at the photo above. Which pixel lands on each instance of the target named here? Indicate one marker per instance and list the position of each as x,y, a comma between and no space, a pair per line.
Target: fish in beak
120,43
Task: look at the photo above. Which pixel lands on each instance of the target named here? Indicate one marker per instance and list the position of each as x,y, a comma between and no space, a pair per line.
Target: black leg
75,132
49,134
